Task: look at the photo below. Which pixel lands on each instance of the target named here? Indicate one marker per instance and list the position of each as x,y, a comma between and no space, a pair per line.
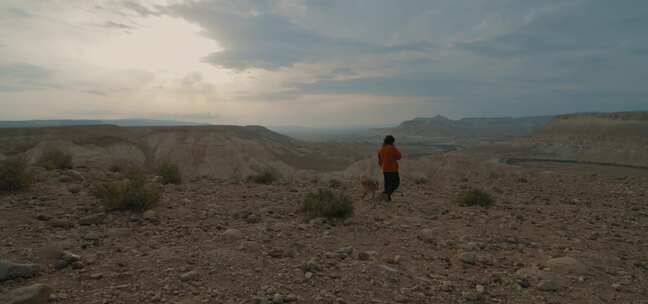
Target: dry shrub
327,203
135,193
170,174
14,174
55,159
475,197
265,177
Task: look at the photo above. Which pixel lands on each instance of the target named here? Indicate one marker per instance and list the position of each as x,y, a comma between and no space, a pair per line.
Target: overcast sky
320,62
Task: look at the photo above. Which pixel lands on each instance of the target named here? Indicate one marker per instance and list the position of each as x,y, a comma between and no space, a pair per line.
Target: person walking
388,157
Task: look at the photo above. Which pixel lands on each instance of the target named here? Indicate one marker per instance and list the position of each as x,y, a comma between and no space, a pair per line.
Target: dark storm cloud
513,56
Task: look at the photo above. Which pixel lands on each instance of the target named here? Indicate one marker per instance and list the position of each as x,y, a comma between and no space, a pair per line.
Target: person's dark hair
389,140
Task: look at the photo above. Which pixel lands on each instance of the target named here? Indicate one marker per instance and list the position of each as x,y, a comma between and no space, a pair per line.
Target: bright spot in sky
159,44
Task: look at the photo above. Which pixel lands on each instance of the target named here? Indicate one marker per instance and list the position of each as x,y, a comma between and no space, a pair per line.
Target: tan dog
369,186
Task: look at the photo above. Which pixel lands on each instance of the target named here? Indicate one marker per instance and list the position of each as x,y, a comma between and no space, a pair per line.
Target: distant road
515,161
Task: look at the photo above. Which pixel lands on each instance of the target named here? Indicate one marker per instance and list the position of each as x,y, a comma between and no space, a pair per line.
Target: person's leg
392,181
385,182
396,181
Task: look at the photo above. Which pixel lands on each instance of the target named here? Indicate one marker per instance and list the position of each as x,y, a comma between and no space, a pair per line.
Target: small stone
11,271
61,223
277,298
74,188
312,266
548,285
70,257
616,286
468,258
291,298
363,255
308,275
566,265
149,215
43,217
252,218
93,219
427,235
34,294
480,288
189,276
395,260
96,276
232,234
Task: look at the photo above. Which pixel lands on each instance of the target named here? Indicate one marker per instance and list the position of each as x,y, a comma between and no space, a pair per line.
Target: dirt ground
212,241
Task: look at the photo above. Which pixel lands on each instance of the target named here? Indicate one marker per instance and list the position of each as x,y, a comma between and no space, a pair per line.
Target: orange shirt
388,157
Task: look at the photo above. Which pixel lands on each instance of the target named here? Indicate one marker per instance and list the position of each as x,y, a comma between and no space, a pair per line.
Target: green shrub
328,204
14,174
170,174
133,194
476,197
265,177
55,159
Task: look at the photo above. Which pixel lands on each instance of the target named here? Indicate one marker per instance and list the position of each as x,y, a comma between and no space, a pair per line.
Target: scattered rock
68,258
43,217
312,266
11,271
232,234
74,188
395,260
566,265
61,223
548,285
467,258
364,255
150,215
189,276
427,235
93,219
34,294
344,252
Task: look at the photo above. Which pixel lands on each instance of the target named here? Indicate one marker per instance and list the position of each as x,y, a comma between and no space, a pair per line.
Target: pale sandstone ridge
222,151
603,137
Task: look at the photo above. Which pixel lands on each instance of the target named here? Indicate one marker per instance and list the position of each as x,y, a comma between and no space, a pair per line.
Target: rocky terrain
550,237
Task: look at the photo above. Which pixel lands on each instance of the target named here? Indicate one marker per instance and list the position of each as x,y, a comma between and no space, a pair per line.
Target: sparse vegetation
55,159
132,194
14,174
335,183
421,180
265,177
476,197
327,203
169,173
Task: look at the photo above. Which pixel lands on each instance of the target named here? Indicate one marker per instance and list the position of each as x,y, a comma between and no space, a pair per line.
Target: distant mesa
473,127
131,122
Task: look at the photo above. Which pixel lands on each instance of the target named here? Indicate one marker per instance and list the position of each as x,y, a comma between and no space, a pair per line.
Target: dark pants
392,181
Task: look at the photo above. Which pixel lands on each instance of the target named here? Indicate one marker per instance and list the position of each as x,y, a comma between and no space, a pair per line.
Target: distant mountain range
443,127
131,122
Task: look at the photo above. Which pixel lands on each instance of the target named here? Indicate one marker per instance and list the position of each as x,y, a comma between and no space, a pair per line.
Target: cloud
255,37
117,25
24,76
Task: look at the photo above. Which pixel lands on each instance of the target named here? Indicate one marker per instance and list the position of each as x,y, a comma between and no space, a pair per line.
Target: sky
320,63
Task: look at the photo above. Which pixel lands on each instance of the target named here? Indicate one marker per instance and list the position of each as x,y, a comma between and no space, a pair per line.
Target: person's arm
380,160
397,154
